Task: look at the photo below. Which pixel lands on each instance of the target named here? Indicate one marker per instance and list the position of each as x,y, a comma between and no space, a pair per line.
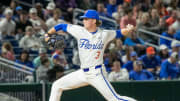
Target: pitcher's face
89,22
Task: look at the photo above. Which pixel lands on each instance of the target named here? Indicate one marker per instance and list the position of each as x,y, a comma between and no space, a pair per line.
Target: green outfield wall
142,90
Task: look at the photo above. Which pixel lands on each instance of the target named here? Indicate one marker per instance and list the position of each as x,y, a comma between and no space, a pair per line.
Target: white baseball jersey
91,46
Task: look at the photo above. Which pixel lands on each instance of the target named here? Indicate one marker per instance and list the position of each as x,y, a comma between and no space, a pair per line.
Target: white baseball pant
94,76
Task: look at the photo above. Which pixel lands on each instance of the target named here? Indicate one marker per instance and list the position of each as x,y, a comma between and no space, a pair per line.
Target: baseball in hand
130,27
128,30
46,37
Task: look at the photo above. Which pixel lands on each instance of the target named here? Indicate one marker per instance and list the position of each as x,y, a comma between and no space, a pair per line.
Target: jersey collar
94,32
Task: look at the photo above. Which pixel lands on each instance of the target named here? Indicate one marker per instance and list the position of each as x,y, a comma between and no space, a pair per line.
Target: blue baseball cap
56,56
18,8
92,14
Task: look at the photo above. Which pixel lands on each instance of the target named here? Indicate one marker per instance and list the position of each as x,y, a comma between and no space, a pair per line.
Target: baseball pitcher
92,42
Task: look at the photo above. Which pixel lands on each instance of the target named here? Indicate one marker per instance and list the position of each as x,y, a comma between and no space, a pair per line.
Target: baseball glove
56,42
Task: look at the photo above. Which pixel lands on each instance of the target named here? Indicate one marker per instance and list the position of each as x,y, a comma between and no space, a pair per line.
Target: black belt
96,67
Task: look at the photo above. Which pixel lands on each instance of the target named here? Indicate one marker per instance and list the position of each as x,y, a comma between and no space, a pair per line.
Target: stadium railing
12,72
25,3
154,35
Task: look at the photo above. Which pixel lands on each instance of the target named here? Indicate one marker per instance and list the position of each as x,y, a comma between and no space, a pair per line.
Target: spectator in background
118,73
118,48
169,34
127,18
38,24
163,53
160,7
86,4
29,41
154,17
101,10
177,35
114,52
151,61
144,20
40,10
136,11
111,7
55,19
126,57
55,73
129,64
16,16
172,18
145,24
174,4
113,56
59,59
42,55
67,7
7,51
120,13
48,13
175,45
176,24
22,24
169,68
13,5
139,18
41,72
107,61
138,73
24,59
126,4
169,10
145,5
166,2
160,27
7,25
135,42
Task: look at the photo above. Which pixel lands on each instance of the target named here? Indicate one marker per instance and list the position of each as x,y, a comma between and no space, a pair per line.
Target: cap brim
82,17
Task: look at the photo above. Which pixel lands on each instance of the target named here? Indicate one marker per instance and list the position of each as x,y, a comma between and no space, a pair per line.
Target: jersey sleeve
74,30
118,34
111,34
62,27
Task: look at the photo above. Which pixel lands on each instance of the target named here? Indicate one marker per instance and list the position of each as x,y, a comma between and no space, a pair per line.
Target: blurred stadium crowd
125,59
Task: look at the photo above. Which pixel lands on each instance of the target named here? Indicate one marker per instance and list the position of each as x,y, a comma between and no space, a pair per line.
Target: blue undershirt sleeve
62,27
118,34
